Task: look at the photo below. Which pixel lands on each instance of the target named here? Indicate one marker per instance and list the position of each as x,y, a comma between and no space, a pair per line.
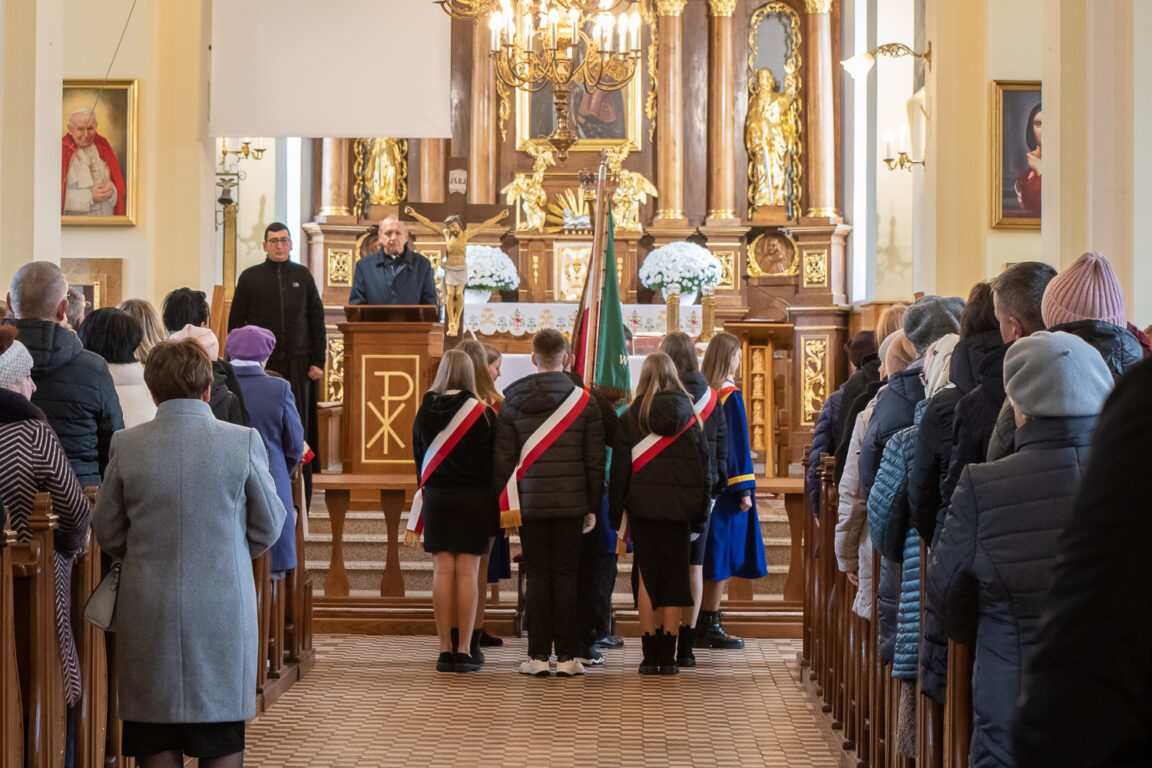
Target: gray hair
81,111
37,289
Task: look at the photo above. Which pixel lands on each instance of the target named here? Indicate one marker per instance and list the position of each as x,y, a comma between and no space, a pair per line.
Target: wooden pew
11,715
298,596
809,571
929,714
958,706
37,651
91,650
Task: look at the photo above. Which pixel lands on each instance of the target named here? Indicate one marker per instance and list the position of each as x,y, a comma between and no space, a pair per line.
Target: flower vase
686,297
476,296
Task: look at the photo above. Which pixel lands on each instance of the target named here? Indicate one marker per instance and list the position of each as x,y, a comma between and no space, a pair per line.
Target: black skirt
660,553
205,740
458,520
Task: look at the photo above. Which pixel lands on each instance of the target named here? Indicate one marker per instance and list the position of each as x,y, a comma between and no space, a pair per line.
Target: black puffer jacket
1119,348
1087,698
715,432
863,379
76,393
468,466
568,479
225,400
928,480
991,569
895,409
675,485
975,418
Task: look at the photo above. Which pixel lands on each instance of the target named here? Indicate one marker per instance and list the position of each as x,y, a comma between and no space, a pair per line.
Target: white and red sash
438,450
651,446
538,442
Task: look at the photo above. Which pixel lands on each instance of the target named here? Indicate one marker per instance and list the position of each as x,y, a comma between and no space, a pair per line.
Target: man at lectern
395,274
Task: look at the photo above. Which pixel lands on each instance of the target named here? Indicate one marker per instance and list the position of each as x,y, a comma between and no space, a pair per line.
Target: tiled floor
378,701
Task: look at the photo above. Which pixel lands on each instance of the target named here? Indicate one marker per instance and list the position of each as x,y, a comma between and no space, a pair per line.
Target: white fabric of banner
341,68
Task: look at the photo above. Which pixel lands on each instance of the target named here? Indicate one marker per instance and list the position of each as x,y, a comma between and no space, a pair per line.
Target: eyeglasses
279,240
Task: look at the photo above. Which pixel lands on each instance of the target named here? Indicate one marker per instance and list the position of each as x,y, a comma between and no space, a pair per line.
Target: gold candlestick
672,313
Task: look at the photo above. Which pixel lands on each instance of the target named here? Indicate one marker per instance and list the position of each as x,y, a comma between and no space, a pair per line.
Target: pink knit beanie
1086,290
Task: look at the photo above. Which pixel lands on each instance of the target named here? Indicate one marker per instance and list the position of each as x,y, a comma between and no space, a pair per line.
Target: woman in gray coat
186,503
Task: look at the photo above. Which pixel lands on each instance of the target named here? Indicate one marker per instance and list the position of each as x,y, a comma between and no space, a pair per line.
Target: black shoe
684,655
667,654
465,663
648,665
445,663
710,634
609,641
489,640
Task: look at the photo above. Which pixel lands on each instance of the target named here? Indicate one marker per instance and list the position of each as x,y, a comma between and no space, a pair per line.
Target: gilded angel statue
632,189
527,189
772,140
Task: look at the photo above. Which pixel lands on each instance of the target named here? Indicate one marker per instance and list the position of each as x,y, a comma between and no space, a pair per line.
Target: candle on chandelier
553,24
888,138
903,138
494,24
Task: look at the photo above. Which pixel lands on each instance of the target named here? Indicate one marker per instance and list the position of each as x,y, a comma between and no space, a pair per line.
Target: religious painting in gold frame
111,164
601,119
774,126
1016,145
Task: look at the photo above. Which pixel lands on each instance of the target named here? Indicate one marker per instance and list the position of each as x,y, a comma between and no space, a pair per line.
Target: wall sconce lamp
861,64
246,150
901,161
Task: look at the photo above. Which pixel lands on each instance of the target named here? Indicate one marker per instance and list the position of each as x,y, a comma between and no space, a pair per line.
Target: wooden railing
32,699
841,650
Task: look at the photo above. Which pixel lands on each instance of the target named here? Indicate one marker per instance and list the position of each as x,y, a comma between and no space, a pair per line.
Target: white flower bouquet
683,264
490,269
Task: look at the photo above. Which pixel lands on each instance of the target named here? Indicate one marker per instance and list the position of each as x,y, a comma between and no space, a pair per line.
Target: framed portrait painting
98,153
1017,134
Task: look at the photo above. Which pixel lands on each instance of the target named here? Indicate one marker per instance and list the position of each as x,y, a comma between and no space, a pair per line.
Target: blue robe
272,410
735,545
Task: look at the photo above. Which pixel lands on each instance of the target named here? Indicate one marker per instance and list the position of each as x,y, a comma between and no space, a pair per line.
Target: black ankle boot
684,655
668,654
710,634
474,650
649,665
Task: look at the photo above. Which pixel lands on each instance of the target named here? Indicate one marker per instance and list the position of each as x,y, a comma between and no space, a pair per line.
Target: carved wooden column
482,154
670,115
334,185
433,170
721,108
821,115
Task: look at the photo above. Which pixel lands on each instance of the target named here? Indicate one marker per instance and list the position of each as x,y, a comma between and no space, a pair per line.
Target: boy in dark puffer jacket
558,486
991,569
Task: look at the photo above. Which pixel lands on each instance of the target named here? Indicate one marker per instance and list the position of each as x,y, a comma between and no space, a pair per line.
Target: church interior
829,158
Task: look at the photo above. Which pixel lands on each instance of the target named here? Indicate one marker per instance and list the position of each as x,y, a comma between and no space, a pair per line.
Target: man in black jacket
73,386
281,296
557,492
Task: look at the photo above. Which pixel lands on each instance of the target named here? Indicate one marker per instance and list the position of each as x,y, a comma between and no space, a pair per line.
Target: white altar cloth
519,318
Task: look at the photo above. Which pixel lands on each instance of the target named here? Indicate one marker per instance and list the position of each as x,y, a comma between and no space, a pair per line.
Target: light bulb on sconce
861,64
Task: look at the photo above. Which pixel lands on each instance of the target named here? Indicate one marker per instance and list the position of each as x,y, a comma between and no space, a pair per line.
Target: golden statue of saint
456,236
389,171
772,139
527,189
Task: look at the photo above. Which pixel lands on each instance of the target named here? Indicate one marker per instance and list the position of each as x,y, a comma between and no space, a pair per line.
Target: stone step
364,578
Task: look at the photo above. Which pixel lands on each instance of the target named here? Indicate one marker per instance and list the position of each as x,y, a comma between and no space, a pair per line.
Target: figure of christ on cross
456,235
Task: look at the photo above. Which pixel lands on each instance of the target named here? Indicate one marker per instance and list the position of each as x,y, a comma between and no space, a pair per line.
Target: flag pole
596,265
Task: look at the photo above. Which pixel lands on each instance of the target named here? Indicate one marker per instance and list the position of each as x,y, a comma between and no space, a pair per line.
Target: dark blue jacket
272,412
380,279
895,408
825,439
991,569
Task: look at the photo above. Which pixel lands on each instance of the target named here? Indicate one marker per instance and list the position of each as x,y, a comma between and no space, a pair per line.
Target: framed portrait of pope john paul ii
98,153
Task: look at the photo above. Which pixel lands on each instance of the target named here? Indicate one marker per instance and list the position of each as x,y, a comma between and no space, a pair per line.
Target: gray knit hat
1056,375
930,317
15,365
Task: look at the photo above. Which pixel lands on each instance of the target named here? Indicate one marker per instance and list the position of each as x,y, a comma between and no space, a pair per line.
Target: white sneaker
569,668
536,668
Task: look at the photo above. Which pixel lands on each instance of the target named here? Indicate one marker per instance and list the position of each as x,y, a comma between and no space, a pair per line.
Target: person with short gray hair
73,386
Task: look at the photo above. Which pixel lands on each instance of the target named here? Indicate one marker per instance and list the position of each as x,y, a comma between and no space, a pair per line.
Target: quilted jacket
852,544
824,440
895,407
991,569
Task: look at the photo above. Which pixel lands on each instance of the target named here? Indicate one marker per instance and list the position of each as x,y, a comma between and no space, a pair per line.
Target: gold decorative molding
334,379
504,108
780,254
669,214
670,7
814,377
727,259
815,268
722,7
723,213
672,313
339,267
818,6
649,15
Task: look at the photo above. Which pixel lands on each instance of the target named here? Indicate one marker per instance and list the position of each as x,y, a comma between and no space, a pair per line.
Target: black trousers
596,580
551,561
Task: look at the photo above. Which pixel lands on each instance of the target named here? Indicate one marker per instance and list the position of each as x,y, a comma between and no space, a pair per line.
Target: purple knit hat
1086,290
250,342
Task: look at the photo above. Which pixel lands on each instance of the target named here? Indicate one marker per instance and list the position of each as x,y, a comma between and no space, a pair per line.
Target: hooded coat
675,485
864,379
715,432
75,391
567,480
991,570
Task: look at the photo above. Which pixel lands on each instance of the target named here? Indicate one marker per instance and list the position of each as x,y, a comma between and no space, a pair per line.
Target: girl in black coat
458,506
660,478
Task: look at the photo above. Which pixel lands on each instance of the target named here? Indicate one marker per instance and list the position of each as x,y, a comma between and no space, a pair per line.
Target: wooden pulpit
390,358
